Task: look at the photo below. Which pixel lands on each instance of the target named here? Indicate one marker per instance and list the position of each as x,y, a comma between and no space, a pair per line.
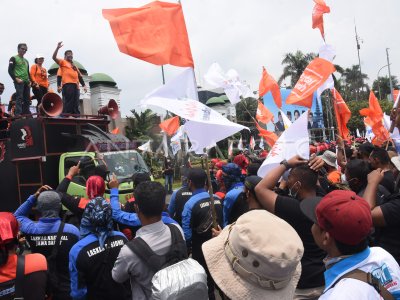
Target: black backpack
155,262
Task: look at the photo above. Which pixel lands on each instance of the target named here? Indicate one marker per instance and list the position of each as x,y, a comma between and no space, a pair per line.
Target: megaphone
52,104
110,109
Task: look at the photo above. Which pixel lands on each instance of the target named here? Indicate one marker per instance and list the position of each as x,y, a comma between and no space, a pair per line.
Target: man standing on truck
69,83
18,68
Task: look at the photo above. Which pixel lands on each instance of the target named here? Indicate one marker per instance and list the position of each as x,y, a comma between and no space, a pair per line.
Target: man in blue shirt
197,219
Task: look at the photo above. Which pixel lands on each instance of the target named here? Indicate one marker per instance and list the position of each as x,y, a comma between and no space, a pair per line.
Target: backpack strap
154,261
367,278
19,279
144,252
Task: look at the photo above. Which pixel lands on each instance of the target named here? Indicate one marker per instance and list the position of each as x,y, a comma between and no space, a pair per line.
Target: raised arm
57,60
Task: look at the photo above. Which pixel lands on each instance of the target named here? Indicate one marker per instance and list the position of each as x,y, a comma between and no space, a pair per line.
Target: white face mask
292,192
344,179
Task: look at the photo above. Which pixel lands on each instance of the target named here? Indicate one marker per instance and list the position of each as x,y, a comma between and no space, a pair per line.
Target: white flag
204,127
230,148
286,121
233,87
165,144
146,147
293,141
252,143
261,144
326,52
175,146
240,144
179,135
358,133
369,135
182,86
387,123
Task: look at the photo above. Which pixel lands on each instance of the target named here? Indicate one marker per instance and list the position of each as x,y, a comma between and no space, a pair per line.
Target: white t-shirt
381,264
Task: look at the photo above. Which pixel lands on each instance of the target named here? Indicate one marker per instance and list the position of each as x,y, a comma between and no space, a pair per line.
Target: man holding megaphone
70,79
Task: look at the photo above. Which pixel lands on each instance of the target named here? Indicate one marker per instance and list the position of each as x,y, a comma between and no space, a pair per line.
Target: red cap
346,216
8,227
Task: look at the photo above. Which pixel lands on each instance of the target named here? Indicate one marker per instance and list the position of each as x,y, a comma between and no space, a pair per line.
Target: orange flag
315,74
171,125
320,8
115,130
342,113
263,114
155,32
269,136
268,83
374,117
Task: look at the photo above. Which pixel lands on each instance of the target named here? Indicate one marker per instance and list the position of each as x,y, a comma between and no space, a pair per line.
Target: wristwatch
285,163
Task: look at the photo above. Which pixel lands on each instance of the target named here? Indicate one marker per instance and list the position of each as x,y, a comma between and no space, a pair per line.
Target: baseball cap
8,227
251,181
345,215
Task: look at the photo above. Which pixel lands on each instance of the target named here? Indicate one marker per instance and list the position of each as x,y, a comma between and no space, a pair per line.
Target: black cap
251,181
308,206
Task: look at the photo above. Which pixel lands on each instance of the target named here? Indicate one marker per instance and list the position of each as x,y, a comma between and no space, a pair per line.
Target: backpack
176,276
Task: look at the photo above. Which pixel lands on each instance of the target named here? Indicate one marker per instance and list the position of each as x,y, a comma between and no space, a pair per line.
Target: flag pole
162,73
210,190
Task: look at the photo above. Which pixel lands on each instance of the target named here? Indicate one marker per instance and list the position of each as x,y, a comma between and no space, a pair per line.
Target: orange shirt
39,75
69,72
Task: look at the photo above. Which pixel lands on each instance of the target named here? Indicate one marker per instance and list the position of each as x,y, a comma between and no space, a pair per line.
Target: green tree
356,120
355,88
245,112
381,86
294,65
140,125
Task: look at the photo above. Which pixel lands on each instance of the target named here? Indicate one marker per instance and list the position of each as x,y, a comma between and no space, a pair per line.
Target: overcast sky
244,35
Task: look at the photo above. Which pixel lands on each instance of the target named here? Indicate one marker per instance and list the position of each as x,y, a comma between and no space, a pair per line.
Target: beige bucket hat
258,257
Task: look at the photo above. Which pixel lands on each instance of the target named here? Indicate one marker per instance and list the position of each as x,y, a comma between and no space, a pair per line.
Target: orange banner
342,113
268,83
155,32
315,74
263,114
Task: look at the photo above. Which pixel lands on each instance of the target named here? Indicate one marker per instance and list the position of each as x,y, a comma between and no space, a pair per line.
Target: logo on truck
26,137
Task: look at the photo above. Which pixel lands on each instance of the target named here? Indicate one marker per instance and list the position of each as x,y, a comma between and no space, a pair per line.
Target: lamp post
377,80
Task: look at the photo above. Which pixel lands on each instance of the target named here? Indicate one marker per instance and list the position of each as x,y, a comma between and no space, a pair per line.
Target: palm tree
140,124
294,65
354,83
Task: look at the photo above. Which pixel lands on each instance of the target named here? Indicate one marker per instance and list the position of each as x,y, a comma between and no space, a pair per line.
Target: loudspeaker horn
111,109
52,104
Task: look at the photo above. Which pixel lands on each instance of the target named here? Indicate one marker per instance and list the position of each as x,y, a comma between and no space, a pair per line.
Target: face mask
292,193
344,179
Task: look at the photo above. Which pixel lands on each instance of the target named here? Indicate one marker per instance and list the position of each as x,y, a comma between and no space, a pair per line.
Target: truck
39,150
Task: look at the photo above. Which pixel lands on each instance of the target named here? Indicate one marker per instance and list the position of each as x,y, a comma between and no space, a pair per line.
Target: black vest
182,196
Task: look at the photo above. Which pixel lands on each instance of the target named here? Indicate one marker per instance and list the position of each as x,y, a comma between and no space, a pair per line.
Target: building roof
101,78
54,67
215,101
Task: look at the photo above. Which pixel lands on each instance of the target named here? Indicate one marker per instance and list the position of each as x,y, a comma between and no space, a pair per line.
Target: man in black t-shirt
385,216
302,183
379,158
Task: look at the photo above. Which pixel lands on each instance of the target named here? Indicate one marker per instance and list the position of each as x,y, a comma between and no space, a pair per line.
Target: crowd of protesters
323,228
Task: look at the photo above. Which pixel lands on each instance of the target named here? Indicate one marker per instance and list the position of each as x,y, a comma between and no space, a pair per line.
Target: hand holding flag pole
210,191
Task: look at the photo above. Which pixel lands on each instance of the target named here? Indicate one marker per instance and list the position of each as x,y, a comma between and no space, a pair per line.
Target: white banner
293,141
